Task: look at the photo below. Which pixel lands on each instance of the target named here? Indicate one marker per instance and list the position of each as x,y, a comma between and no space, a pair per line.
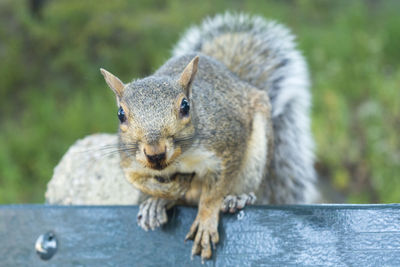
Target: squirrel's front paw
233,203
152,213
204,233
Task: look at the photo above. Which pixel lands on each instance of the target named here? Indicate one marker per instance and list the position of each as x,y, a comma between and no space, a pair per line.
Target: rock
90,174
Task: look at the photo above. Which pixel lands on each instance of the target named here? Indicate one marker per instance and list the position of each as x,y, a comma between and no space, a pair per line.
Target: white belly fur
255,159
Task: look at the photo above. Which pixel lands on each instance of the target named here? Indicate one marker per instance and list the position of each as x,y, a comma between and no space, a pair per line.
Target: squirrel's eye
185,107
121,115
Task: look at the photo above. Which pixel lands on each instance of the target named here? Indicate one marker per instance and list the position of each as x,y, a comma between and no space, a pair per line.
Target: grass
51,91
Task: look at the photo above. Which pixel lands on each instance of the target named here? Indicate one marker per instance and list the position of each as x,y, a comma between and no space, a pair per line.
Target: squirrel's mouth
158,158
157,166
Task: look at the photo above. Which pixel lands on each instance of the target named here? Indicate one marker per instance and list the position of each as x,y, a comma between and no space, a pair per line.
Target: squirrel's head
155,115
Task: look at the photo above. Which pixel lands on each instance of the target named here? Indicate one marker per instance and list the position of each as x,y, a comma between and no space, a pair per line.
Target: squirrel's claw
233,203
205,237
152,213
192,231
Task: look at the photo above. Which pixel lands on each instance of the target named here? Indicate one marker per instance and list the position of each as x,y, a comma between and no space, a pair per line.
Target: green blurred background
51,91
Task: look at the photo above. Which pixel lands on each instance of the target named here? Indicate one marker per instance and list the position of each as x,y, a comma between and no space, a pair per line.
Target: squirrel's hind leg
153,212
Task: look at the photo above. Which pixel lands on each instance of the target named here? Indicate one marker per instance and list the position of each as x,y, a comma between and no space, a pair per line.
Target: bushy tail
264,54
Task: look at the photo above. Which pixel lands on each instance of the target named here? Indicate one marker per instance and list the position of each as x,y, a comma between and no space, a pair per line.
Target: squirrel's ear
113,82
187,76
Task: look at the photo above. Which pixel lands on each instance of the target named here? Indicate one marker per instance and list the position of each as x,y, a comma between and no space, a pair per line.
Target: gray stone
90,174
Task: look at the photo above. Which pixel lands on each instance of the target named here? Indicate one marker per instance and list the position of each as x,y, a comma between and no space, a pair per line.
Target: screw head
46,245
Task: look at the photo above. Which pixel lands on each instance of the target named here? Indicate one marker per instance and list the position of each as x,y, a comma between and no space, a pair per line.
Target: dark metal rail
338,235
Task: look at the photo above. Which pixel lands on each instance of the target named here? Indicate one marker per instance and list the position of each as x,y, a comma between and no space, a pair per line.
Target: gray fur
269,60
221,122
247,132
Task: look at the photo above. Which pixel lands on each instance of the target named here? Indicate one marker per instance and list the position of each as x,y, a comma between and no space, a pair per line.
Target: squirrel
224,123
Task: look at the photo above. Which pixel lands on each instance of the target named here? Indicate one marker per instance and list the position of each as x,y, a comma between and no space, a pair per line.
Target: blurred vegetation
51,91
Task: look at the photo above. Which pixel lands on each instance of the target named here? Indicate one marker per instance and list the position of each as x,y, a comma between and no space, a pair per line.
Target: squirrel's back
260,52
263,53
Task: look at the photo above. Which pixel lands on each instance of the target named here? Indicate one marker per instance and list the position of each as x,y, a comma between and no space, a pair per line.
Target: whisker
112,147
183,139
97,149
109,153
186,141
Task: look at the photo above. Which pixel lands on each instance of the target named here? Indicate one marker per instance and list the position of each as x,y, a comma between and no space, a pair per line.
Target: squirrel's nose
156,159
155,154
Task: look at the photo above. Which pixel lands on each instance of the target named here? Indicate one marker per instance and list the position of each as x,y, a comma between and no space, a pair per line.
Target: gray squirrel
224,123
